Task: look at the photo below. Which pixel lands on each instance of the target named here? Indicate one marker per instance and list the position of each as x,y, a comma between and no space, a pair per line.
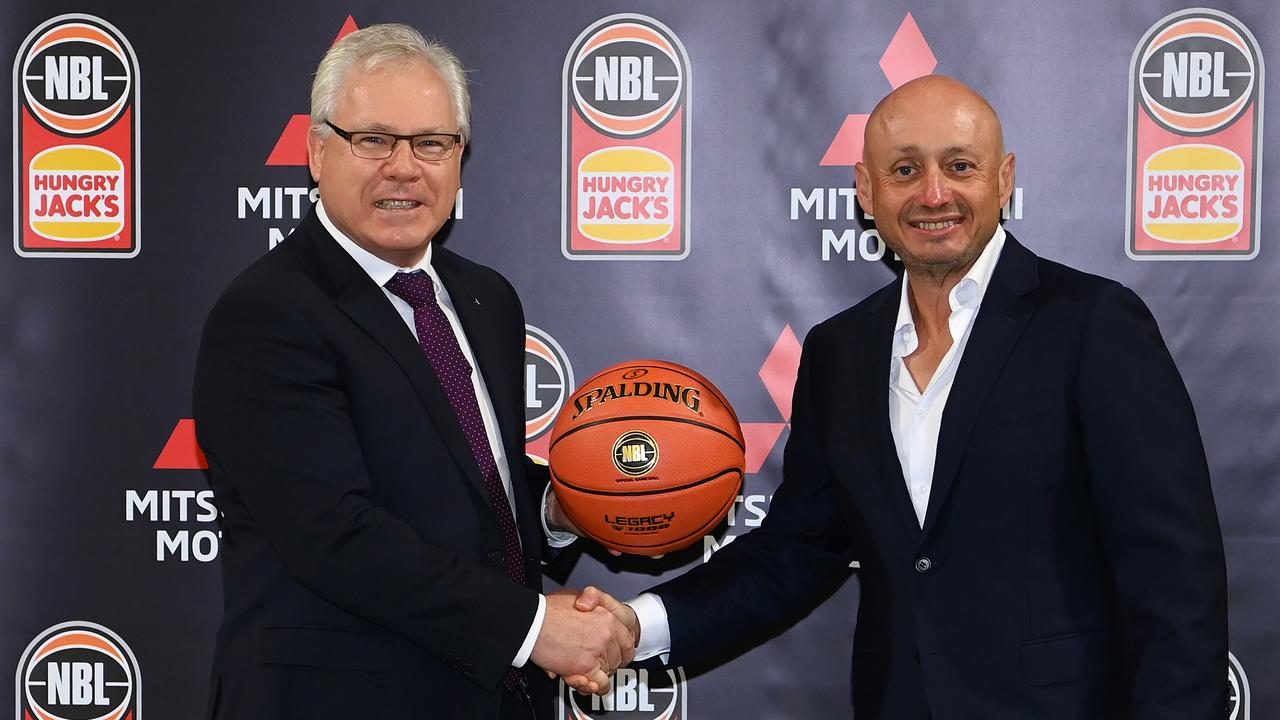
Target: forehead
933,125
406,94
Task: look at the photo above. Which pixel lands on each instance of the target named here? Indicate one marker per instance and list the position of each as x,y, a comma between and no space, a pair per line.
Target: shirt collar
967,294
378,269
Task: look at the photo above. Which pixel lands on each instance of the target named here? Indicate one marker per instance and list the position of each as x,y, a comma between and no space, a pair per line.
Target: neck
406,259
929,293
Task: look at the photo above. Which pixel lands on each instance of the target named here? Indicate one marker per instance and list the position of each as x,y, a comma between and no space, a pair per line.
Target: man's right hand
585,644
593,600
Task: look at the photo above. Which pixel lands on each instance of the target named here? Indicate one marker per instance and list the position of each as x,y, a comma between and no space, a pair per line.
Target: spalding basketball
647,458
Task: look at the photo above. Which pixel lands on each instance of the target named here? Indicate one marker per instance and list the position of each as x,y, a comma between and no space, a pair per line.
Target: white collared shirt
381,272
915,415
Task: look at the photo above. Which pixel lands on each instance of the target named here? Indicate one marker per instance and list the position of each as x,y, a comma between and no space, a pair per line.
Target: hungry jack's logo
1195,140
76,140
626,142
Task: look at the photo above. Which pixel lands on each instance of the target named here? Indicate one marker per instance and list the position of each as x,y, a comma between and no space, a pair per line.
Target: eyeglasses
379,145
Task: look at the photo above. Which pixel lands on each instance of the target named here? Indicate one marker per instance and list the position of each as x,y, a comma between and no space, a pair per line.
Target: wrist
635,625
553,516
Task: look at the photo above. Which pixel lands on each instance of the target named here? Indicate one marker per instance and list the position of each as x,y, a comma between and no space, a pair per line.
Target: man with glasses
357,394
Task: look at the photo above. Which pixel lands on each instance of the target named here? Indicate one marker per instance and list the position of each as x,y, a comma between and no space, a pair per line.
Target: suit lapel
873,374
360,299
1004,313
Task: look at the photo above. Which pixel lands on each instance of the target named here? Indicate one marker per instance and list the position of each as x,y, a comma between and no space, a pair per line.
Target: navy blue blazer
1070,564
362,561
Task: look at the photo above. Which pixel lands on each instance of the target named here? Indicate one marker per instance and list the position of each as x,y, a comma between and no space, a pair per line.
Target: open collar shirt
915,414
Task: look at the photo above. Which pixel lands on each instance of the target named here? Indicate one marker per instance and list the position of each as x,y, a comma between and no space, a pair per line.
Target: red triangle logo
291,148
182,452
846,147
348,27
760,437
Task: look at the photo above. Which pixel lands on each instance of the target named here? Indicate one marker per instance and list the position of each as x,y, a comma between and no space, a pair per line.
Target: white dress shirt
915,416
381,272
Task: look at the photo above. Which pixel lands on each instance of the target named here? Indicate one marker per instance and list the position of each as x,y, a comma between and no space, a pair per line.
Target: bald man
1004,446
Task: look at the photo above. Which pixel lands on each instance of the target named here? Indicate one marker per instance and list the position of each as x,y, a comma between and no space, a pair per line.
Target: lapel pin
475,300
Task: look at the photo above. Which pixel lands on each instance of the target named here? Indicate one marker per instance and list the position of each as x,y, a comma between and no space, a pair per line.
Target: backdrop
657,179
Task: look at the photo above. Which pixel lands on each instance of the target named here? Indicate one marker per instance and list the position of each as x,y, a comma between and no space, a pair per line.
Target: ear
1006,178
863,180
315,152
458,152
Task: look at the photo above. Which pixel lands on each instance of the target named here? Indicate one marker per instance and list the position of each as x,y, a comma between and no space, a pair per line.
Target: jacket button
915,658
923,565
495,557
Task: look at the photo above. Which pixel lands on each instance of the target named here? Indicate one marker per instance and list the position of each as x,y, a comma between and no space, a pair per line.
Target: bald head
935,175
932,95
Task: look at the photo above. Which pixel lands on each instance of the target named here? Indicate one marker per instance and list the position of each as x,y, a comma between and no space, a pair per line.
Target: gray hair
379,44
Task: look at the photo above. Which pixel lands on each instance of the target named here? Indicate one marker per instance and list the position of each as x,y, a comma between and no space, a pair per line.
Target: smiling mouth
396,204
934,225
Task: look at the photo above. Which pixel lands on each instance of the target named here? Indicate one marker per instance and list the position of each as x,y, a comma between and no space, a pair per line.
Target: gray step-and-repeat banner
658,179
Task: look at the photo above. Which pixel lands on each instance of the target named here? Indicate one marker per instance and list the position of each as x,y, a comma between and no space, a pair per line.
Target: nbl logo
76,141
626,142
635,453
548,380
636,694
78,671
1195,131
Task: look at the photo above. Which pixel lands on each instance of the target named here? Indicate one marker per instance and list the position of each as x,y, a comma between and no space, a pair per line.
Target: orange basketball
647,458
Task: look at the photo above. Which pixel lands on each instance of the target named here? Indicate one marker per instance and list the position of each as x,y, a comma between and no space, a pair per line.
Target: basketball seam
695,423
659,491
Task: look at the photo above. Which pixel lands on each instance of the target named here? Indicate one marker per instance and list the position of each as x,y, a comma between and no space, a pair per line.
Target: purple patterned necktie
440,345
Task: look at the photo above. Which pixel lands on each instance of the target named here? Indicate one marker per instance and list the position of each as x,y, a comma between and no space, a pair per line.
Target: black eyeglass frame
349,134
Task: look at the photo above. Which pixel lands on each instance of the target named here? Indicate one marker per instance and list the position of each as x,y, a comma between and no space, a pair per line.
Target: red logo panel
76,141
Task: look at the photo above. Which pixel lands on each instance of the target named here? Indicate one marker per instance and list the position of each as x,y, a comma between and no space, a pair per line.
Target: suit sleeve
768,579
273,418
1150,481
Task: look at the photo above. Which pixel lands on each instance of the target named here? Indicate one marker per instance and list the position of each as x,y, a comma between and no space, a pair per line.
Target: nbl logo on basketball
635,694
626,142
76,141
635,453
78,671
1195,137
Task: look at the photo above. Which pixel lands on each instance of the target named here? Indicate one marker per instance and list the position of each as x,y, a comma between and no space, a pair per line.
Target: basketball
647,458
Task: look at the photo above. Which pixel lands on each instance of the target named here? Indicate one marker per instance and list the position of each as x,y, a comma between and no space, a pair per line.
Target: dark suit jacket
362,562
1070,564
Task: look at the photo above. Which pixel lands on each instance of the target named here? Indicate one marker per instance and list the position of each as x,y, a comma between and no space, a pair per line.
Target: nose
403,164
935,192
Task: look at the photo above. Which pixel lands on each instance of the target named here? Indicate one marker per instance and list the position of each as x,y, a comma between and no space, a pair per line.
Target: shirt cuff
555,538
526,649
655,631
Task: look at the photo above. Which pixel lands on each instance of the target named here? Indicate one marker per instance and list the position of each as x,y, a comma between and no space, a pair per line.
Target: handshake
585,637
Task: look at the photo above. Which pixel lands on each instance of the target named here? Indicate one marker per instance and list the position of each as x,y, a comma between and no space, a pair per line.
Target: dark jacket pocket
320,647
1065,658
